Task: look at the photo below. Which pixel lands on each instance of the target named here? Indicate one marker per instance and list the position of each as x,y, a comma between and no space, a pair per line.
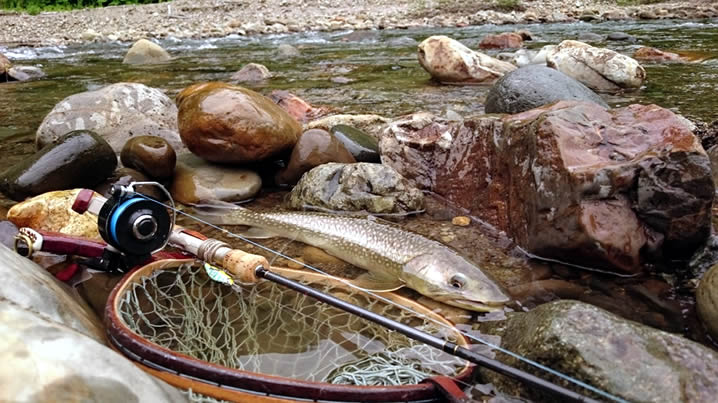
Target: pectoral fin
371,281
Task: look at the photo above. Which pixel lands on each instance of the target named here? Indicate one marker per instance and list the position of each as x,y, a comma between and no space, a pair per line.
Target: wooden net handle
243,265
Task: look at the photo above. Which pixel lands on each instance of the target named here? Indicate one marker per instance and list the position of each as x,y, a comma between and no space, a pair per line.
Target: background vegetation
36,6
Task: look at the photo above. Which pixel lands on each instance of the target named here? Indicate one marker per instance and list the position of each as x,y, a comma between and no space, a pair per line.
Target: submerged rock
707,300
65,365
505,40
252,72
656,55
196,180
79,159
362,146
362,186
315,147
533,86
53,212
29,286
230,124
449,61
285,50
117,113
600,69
146,52
149,154
624,358
296,107
569,180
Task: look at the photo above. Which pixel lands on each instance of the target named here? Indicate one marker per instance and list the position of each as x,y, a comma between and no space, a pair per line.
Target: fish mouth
477,306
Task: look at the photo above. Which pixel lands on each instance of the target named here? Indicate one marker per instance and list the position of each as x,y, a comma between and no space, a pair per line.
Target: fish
392,257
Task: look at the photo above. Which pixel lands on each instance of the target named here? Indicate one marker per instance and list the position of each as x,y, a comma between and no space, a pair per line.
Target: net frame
234,384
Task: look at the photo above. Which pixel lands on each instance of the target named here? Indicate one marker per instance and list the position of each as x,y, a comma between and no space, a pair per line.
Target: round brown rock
230,124
149,154
315,147
196,181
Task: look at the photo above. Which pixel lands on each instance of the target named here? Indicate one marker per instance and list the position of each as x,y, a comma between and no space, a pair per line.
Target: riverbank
218,18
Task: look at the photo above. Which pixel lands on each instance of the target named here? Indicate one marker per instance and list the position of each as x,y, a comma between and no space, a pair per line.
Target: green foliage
36,6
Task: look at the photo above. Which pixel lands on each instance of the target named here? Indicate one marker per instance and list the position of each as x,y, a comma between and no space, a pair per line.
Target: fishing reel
133,225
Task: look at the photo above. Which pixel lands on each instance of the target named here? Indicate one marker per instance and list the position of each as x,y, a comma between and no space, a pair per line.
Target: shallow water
385,78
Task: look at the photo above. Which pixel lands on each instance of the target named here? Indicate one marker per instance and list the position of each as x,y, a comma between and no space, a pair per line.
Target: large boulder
533,86
570,180
315,147
79,159
46,361
197,180
117,113
230,124
629,360
362,186
449,61
600,69
146,52
29,286
53,212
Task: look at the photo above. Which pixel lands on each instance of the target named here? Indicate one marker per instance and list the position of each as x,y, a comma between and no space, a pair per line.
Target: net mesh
268,329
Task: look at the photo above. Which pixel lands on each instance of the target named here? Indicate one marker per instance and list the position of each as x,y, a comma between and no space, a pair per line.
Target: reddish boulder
296,107
570,180
656,55
505,40
315,147
231,124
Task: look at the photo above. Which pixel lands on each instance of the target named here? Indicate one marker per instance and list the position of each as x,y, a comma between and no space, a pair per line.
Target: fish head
446,276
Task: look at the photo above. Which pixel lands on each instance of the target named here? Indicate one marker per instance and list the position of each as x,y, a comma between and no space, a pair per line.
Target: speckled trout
392,257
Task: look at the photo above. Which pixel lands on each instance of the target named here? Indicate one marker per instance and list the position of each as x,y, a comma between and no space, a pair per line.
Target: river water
380,74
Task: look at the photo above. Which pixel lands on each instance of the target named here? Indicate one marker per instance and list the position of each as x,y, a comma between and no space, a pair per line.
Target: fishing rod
131,226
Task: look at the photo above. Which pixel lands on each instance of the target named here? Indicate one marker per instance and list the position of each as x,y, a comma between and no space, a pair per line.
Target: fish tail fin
222,213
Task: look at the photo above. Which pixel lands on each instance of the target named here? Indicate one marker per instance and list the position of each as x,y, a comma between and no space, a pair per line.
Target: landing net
267,329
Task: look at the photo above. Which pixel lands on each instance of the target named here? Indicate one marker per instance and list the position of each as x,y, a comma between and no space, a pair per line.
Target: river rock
705,257
149,154
373,125
505,40
230,124
52,211
25,73
79,159
296,107
570,180
620,36
146,52
287,51
590,37
533,86
600,69
66,365
375,188
197,181
5,65
252,72
29,286
707,300
632,361
117,113
649,54
315,147
362,146
449,61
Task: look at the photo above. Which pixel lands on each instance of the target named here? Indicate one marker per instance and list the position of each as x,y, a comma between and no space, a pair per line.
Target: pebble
461,221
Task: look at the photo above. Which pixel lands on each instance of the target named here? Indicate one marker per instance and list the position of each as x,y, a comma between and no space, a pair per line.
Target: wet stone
252,72
362,146
287,51
123,177
315,147
363,186
196,181
146,52
707,300
149,154
79,159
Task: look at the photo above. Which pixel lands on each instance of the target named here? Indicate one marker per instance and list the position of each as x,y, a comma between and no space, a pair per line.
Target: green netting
268,329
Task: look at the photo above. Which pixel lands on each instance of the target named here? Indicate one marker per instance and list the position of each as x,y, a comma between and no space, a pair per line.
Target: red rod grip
62,244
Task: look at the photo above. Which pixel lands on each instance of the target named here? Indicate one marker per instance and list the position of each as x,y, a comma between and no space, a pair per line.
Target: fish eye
457,281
